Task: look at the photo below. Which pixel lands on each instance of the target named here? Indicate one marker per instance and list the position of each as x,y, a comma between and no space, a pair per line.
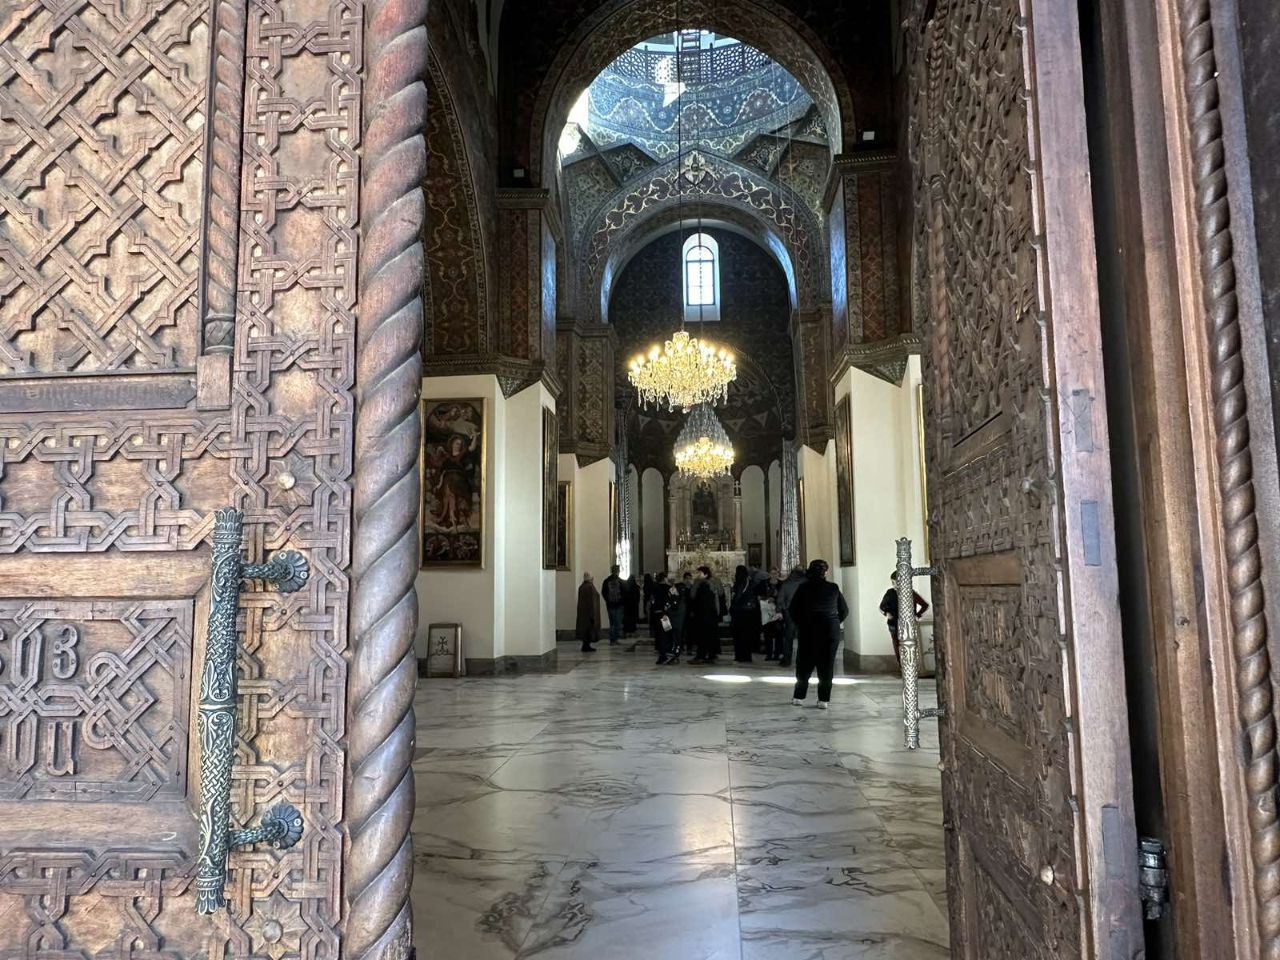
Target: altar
723,563
705,527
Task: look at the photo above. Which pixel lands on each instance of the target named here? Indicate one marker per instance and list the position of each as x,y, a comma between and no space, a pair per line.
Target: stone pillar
737,517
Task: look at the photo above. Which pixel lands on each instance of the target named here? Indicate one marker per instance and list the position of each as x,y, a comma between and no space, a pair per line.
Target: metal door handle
909,644
281,826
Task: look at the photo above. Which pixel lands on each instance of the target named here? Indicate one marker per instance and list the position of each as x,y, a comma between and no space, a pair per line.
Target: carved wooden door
1037,791
172,343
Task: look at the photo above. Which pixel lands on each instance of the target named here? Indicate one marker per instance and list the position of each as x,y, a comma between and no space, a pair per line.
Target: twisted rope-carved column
1235,465
223,203
384,607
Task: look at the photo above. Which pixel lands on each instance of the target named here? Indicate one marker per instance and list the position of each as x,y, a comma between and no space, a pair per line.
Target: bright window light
701,255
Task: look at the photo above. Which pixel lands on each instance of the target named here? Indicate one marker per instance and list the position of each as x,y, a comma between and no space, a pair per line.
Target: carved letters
93,699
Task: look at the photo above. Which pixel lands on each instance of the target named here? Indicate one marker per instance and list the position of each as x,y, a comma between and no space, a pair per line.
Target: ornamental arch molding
704,180
618,25
706,214
456,292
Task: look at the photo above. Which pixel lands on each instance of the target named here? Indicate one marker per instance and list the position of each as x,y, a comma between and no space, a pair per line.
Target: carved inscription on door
93,699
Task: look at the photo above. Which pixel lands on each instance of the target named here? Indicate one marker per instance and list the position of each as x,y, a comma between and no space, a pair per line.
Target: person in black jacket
744,615
703,618
630,606
889,608
819,610
663,600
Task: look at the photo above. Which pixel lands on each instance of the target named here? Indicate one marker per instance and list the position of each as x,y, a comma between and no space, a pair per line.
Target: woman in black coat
703,618
744,615
819,609
630,606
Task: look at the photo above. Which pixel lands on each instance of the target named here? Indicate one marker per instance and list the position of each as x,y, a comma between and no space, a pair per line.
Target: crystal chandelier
683,372
703,449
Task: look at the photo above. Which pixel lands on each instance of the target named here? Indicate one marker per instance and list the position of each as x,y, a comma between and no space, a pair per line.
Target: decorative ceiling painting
750,132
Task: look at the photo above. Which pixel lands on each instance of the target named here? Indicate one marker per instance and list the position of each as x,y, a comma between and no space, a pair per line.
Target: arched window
701,278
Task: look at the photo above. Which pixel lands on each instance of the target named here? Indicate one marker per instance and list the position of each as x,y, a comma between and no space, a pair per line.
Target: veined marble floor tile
477,909
603,823
838,912
618,809
623,912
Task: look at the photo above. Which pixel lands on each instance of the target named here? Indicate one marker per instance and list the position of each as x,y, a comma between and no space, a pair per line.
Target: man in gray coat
785,594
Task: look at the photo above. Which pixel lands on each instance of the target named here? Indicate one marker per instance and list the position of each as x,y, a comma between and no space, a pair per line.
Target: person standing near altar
703,620
630,606
744,613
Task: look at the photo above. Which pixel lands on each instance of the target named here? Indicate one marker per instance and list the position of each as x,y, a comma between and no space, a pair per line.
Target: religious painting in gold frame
454,449
564,525
844,483
550,487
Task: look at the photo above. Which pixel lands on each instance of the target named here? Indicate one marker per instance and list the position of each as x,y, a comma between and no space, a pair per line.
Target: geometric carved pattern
93,699
994,498
996,669
91,485
293,376
458,298
57,902
101,169
987,236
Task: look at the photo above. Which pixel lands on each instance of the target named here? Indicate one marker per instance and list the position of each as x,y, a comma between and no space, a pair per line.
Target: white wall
530,590
592,543
653,500
512,577
775,515
818,473
886,497
755,525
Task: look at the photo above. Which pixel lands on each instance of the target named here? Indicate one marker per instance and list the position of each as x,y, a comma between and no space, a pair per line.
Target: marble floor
617,809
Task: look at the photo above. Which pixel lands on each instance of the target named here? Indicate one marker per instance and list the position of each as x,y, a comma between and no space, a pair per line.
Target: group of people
801,614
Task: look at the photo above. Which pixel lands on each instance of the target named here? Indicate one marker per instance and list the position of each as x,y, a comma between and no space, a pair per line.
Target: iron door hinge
1153,878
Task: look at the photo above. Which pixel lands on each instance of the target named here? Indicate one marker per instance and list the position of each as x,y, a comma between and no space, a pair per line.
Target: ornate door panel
1041,844
170,344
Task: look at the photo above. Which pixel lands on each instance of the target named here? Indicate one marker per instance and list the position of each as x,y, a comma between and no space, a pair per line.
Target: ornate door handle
281,826
909,644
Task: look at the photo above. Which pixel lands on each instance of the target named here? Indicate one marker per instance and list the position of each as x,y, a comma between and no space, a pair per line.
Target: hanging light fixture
684,371
703,449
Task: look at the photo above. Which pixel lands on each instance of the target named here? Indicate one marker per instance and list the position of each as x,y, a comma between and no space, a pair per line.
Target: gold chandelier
703,449
683,372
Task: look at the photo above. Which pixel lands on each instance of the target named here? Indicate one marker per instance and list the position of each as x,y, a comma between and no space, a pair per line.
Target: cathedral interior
441,441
